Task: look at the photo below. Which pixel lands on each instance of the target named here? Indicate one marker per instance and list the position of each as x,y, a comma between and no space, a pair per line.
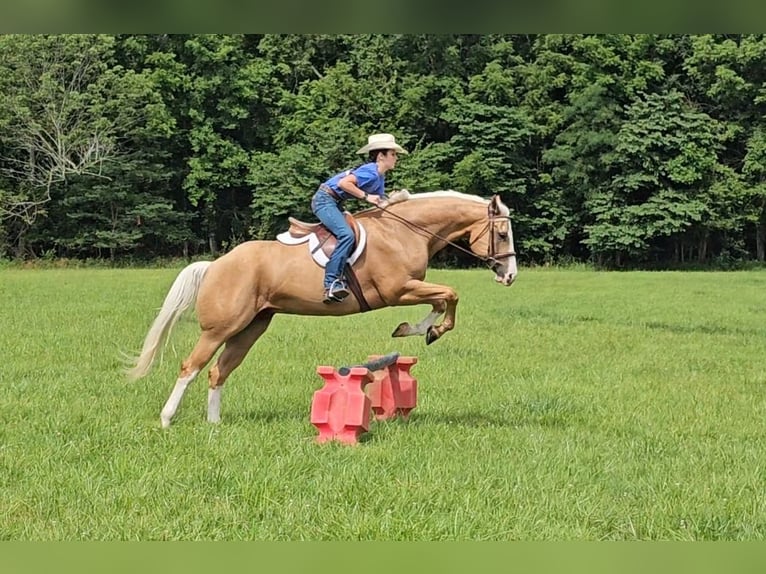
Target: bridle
493,216
491,227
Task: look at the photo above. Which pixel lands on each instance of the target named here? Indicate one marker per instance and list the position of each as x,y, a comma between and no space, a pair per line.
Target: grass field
576,405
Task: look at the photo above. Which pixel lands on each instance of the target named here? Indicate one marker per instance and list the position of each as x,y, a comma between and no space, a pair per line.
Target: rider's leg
337,289
328,212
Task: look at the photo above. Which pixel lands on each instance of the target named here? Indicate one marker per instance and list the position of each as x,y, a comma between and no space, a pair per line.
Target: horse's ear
498,205
495,204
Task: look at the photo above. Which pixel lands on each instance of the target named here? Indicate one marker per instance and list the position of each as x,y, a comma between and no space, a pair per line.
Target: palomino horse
239,293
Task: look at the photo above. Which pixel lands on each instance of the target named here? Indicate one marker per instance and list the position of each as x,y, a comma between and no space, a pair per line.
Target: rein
491,258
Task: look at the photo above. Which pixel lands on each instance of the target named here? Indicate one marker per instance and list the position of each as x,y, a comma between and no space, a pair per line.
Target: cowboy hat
382,141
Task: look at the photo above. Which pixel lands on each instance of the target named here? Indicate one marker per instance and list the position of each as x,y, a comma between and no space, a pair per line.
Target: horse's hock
341,410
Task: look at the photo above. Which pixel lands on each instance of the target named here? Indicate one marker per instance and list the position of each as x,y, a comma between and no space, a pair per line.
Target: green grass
574,405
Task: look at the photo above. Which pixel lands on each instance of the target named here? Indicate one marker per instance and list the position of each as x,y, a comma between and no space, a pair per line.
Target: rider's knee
346,236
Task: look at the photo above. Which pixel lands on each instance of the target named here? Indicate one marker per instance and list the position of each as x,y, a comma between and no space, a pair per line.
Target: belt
329,191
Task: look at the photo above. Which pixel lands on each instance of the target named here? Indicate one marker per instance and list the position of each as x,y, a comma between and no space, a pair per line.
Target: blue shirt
367,179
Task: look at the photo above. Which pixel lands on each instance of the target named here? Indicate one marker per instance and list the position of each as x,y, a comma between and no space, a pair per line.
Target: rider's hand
373,199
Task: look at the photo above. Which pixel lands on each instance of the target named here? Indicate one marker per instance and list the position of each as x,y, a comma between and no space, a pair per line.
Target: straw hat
382,141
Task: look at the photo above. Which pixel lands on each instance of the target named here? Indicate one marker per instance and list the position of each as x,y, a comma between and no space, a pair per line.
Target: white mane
408,195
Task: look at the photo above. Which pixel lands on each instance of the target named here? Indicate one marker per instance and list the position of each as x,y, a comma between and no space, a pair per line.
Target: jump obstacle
341,410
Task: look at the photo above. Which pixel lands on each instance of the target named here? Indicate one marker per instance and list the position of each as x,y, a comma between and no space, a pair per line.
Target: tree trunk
212,244
211,226
21,244
759,243
702,254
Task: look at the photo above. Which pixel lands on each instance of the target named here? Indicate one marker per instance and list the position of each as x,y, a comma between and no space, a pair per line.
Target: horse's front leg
442,299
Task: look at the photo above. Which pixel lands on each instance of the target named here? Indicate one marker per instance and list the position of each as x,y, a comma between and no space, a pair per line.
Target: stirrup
336,292
328,298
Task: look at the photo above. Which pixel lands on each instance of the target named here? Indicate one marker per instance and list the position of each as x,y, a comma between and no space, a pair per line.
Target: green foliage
664,161
73,119
280,183
617,148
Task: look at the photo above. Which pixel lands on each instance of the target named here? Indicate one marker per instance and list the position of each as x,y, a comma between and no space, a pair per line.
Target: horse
238,294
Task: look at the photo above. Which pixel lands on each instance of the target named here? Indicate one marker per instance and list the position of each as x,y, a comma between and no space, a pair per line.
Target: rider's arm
348,185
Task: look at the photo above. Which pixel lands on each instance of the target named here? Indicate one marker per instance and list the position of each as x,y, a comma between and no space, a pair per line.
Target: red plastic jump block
393,391
341,409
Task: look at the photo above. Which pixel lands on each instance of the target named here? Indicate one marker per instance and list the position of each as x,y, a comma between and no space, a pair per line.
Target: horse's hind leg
232,356
202,353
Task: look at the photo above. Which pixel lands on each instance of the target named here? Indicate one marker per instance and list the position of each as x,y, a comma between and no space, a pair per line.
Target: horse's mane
408,195
404,195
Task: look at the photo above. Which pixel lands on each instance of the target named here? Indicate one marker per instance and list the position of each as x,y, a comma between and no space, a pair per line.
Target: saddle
326,240
321,243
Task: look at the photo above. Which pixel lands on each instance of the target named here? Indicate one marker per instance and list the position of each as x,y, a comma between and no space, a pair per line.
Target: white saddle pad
313,245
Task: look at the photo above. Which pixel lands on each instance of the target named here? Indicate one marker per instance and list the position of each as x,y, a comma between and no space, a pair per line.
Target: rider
364,182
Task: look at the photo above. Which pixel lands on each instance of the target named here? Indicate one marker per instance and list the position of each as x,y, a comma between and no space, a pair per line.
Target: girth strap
356,289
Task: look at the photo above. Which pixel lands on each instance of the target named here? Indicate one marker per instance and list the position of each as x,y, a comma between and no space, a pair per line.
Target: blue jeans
327,210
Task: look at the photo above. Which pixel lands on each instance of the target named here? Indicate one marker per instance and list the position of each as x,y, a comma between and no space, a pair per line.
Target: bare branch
67,137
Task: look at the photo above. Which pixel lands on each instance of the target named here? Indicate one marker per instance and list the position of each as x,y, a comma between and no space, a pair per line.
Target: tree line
620,150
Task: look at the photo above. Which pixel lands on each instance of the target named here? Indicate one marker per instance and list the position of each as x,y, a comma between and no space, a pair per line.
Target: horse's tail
181,296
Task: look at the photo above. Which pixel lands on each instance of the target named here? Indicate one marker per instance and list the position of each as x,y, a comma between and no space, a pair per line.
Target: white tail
181,296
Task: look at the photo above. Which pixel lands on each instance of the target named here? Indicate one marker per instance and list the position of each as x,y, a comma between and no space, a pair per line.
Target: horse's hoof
431,336
401,330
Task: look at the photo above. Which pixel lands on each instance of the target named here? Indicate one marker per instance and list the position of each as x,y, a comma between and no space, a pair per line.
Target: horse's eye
502,236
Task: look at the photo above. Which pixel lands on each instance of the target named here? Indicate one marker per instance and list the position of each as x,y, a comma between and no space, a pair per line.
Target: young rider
365,182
